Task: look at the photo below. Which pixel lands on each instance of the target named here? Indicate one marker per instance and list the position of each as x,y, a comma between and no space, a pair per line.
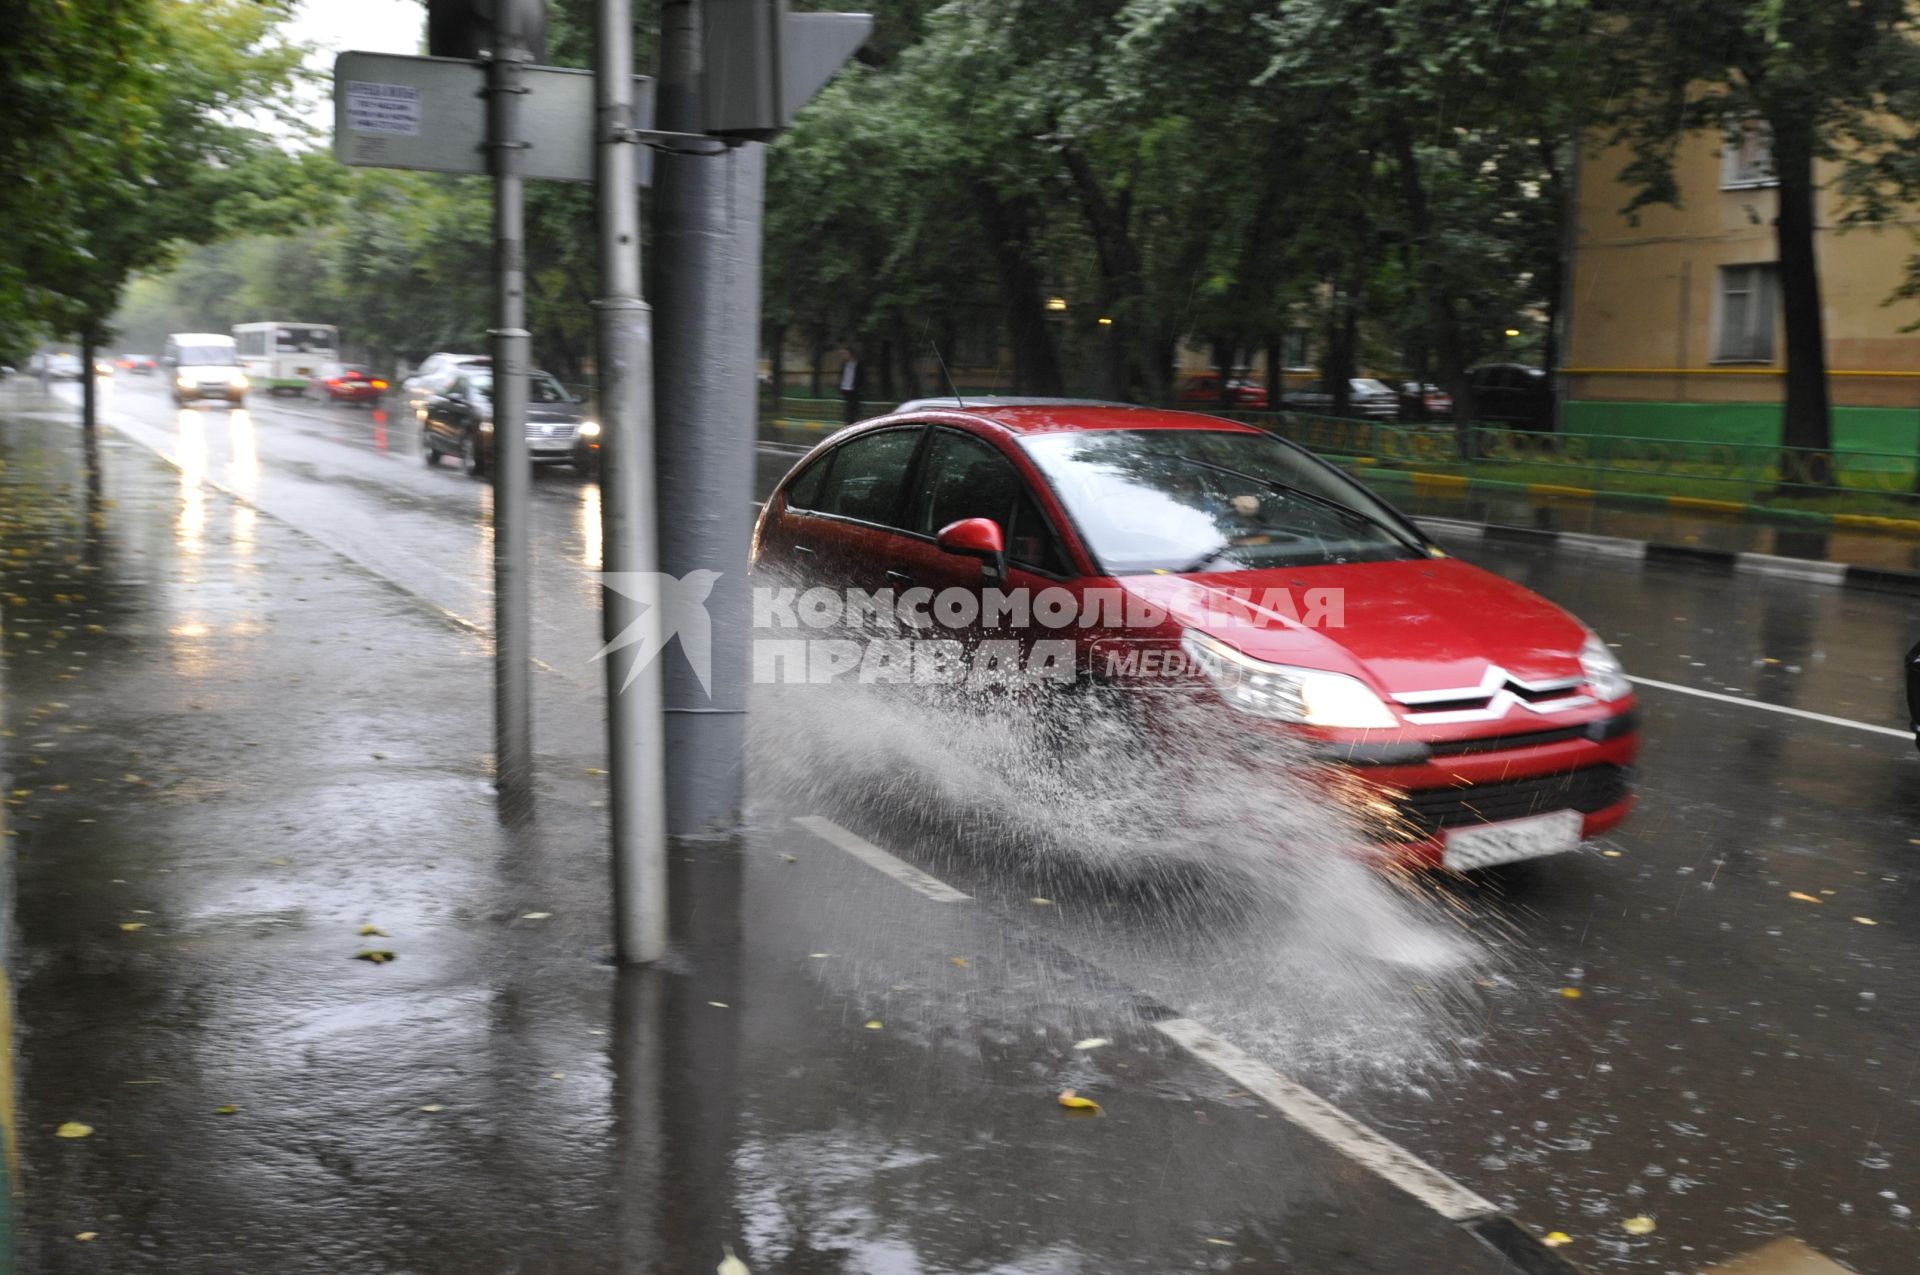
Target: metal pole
627,510
512,645
707,229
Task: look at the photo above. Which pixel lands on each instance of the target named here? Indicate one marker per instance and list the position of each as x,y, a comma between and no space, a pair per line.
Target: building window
1294,349
1748,160
1749,301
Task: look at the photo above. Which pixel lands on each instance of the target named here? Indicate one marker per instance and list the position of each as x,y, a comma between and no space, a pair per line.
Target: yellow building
1674,315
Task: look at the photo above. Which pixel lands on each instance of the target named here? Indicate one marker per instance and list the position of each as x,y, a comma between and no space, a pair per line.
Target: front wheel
471,459
429,454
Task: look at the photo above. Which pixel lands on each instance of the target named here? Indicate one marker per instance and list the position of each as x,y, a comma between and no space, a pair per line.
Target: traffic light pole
707,230
627,509
512,645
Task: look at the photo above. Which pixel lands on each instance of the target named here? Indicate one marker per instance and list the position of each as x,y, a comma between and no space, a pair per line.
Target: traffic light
761,64
470,28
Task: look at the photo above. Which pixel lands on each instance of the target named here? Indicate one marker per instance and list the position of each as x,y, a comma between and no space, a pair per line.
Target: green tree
1834,84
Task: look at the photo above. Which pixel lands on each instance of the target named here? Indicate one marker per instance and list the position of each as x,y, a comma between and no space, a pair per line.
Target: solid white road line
1309,1111
874,857
1317,1116
1744,702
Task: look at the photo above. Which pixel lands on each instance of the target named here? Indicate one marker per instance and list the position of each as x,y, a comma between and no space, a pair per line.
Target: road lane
1739,1062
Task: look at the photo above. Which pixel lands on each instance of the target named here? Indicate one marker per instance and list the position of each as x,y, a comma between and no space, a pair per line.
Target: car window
966,477
868,476
1194,500
804,491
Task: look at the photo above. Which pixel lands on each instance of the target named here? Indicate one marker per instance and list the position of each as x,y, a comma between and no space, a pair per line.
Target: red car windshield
1206,500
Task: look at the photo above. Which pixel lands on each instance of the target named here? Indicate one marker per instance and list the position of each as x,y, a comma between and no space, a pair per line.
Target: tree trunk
886,370
1806,420
904,351
89,383
1224,369
1009,232
1343,336
1276,373
777,361
819,361
1119,262
1433,289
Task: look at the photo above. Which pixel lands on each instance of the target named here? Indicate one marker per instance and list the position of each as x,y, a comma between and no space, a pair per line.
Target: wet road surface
1739,1063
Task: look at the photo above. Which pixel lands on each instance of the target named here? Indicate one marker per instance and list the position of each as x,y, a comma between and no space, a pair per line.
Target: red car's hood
1423,625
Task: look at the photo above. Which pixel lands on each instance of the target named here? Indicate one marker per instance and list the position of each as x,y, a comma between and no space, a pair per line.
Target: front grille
1593,788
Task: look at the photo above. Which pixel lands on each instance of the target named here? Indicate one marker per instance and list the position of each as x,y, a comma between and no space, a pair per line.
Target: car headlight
589,429
238,380
1312,697
183,382
486,425
1602,667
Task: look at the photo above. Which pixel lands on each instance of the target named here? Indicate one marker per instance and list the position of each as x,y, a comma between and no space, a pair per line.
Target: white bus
283,356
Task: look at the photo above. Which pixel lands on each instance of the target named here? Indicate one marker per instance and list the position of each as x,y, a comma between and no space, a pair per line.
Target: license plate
1531,838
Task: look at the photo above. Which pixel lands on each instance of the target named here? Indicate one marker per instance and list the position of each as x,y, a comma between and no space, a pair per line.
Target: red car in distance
1496,726
348,383
1204,390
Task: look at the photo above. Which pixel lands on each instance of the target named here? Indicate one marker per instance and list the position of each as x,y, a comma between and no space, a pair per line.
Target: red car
349,383
1498,726
1204,390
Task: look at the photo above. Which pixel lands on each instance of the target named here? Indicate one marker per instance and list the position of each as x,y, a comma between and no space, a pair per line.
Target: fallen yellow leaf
227,1110
1554,1239
87,1235
1221,1243
378,956
131,926
535,916
718,1004
1611,854
432,1107
961,961
1039,902
874,1024
369,930
1866,920
73,1129
1641,1225
1074,1102
1571,993
791,858
731,1265
1804,898
1091,1042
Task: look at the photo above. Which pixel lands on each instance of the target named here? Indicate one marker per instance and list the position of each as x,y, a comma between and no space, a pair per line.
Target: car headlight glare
589,429
1602,667
238,380
1311,697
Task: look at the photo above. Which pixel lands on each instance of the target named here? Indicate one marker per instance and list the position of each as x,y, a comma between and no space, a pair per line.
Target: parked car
1366,397
1423,400
1913,691
1204,389
205,365
1493,724
1511,394
458,421
352,383
65,367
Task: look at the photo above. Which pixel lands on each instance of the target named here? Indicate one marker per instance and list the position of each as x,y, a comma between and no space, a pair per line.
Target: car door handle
900,578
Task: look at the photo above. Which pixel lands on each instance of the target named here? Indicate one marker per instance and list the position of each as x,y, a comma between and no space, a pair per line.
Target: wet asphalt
267,724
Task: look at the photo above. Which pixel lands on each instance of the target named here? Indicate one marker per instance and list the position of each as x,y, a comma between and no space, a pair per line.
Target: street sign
394,111
761,64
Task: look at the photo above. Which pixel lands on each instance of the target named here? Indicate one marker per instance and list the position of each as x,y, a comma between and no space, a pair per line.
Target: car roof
1059,415
198,336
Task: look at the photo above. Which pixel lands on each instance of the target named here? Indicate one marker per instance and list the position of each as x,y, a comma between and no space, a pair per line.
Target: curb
1726,561
1433,483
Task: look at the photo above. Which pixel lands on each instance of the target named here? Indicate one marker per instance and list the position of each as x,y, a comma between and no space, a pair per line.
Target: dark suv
1511,394
457,420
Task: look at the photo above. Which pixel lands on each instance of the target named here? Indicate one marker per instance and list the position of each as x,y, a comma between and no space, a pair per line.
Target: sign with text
430,114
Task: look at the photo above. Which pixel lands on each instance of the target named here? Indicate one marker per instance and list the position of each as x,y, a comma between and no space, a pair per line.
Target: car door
964,475
837,517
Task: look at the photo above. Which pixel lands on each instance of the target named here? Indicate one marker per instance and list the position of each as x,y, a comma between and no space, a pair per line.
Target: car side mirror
976,538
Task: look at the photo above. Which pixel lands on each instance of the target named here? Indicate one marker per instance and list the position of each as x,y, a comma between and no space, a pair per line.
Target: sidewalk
229,750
